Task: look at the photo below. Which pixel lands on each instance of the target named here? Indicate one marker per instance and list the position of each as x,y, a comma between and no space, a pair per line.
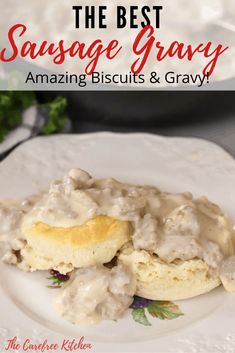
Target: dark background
209,115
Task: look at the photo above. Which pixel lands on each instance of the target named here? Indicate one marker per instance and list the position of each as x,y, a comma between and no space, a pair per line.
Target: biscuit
158,280
94,242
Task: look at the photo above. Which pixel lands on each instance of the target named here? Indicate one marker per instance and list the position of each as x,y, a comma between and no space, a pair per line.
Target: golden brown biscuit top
97,229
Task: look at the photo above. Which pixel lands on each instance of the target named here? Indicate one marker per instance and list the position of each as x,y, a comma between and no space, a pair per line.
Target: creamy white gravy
11,238
97,293
172,226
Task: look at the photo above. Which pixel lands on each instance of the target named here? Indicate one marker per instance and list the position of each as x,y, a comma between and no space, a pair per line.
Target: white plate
173,164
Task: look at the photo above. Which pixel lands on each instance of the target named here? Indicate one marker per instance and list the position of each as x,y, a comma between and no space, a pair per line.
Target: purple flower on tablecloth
163,310
140,302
